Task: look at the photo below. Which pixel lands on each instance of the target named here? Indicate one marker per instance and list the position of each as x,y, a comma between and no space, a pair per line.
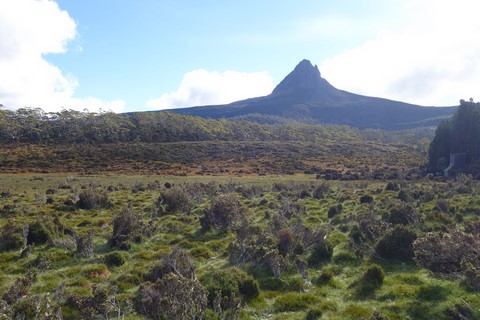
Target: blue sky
126,55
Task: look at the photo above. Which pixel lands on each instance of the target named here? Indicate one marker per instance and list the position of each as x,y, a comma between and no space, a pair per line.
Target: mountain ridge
304,96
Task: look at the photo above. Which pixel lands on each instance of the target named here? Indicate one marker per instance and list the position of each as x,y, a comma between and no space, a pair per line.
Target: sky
136,55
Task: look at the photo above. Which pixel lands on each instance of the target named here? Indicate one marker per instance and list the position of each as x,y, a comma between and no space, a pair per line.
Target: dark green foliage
429,292
440,147
460,312
402,213
321,191
44,230
127,227
313,314
115,259
14,237
374,275
404,196
325,277
376,315
175,199
459,135
371,280
321,252
397,244
471,275
392,186
366,199
230,283
334,210
93,199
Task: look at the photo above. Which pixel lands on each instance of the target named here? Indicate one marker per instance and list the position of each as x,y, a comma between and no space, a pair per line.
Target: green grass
407,290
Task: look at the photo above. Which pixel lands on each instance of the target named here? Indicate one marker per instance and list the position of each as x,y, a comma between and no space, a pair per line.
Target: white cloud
201,87
30,29
433,58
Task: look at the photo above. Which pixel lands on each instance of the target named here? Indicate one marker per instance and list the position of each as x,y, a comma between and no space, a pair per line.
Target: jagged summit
304,96
305,76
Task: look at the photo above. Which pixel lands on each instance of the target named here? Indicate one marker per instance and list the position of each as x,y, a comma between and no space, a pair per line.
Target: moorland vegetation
344,225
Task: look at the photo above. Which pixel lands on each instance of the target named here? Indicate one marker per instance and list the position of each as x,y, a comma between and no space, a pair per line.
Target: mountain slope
307,97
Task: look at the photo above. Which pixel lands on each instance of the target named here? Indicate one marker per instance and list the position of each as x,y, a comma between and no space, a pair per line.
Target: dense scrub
461,134
238,248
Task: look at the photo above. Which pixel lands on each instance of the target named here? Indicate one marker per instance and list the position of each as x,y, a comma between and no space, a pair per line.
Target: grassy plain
334,286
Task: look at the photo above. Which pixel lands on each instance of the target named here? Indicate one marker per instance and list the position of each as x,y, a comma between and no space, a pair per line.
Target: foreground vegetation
158,247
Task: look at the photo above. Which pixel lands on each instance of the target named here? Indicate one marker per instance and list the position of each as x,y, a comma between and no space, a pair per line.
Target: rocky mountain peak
304,76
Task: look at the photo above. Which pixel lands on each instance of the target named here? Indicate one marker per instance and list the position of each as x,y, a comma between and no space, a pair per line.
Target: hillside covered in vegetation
138,247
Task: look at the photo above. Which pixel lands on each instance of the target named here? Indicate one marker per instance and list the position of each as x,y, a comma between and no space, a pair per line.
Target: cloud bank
29,30
432,59
202,87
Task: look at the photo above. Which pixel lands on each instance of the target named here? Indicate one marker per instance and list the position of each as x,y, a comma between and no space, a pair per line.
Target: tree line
33,125
460,134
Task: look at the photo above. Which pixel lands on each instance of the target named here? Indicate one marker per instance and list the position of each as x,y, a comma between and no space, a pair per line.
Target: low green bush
13,237
230,283
325,277
344,256
313,314
397,244
374,275
321,252
41,231
93,199
115,259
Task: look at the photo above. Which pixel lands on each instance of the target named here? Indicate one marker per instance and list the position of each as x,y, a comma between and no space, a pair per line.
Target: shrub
397,244
325,277
291,208
313,314
370,281
230,283
392,186
115,259
321,252
175,199
404,196
13,237
127,227
344,257
93,199
402,213
226,212
334,210
320,191
84,244
376,315
285,242
19,288
374,275
366,199
42,231
443,253
176,262
171,297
